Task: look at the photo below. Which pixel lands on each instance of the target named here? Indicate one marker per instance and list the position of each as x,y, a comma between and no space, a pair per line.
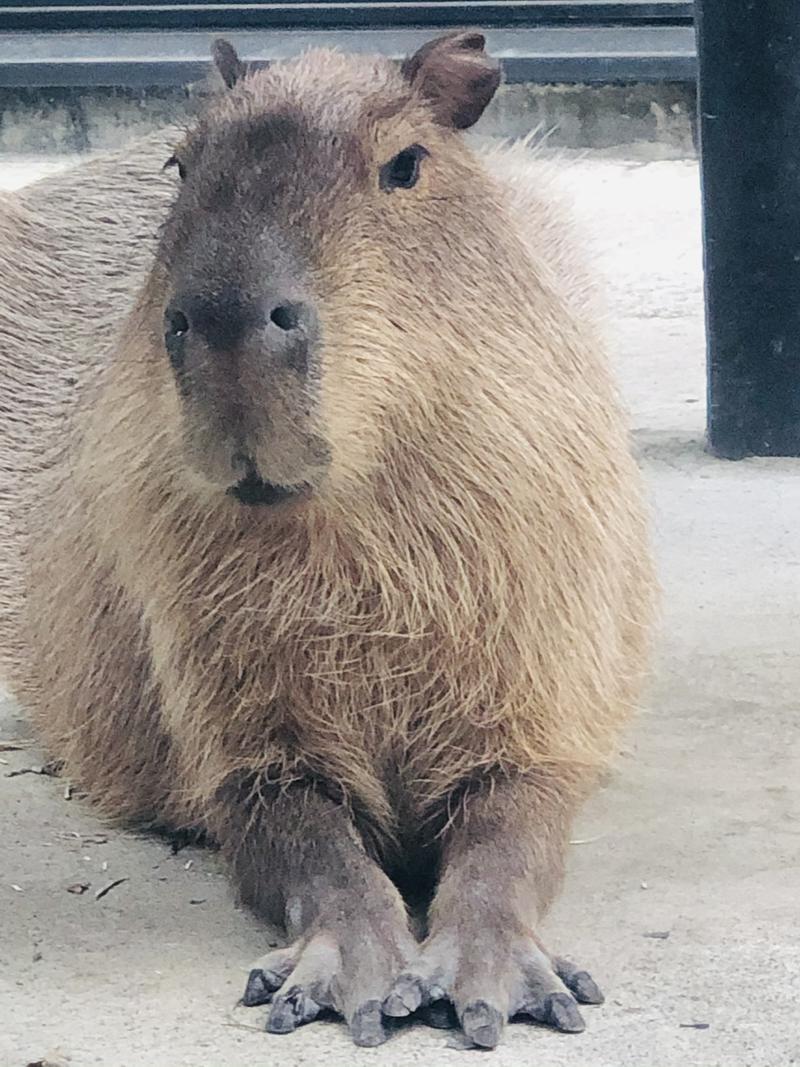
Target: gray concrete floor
695,839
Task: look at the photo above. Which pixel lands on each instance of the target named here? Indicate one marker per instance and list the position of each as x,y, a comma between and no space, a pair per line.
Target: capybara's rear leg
501,865
300,862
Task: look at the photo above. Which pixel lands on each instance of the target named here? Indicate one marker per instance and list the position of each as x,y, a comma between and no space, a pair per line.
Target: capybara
74,249
338,555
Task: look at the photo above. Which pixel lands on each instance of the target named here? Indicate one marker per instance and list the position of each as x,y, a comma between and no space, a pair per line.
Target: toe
366,1025
482,1024
585,989
267,976
580,983
561,1012
282,1018
290,1010
407,994
258,990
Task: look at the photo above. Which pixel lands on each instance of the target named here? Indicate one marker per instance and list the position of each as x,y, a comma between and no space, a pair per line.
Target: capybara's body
341,554
74,249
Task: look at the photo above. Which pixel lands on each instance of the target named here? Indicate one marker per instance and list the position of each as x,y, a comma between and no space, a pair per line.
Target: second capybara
341,557
74,250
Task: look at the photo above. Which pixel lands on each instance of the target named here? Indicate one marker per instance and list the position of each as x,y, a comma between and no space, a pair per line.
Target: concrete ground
683,893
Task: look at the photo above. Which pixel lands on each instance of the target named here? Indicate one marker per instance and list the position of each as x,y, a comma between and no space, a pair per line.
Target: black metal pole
749,99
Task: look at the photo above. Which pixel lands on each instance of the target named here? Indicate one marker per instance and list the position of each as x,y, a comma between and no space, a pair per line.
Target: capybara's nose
291,316
229,318
223,320
292,334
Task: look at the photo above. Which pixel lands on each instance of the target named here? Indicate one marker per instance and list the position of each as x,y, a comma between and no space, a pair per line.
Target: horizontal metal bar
340,14
148,58
57,15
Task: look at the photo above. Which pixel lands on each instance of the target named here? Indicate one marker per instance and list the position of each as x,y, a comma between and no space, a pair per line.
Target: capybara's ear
227,62
456,76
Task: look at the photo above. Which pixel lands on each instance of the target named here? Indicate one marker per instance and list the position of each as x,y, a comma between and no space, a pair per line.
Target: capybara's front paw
345,968
481,982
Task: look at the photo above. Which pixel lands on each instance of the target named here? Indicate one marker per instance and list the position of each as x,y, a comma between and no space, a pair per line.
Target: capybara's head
322,253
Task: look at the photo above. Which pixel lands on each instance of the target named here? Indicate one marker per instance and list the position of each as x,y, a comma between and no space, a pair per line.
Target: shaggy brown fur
424,655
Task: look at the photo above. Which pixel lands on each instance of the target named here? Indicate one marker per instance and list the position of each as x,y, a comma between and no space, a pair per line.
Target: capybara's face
323,203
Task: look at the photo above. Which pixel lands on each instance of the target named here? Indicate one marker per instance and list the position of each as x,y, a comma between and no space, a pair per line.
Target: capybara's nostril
176,324
289,317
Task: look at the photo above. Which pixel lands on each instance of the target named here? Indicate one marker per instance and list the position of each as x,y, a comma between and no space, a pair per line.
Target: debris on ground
45,769
108,887
657,935
79,888
695,1026
84,839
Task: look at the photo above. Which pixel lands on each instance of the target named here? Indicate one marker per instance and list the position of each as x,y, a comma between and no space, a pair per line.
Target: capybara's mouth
255,492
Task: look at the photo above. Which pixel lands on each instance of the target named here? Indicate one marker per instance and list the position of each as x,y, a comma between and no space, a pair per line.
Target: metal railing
167,43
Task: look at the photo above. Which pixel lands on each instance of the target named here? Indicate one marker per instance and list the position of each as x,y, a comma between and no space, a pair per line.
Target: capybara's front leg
300,862
501,865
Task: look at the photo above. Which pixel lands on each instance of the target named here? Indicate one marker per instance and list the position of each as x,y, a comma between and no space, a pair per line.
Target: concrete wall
656,120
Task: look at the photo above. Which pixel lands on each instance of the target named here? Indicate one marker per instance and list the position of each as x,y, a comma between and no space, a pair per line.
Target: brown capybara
340,556
74,249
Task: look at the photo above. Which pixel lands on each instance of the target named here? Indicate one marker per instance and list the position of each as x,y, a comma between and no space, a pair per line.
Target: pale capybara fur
74,249
419,642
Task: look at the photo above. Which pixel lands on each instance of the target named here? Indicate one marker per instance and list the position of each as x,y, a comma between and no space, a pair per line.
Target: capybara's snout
245,367
282,325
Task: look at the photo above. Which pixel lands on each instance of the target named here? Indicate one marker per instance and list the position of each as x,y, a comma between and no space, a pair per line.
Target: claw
366,1026
282,1019
258,990
460,1043
580,983
586,989
561,1011
482,1024
290,1010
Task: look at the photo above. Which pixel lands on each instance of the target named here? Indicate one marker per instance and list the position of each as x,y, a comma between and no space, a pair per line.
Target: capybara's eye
175,161
402,172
